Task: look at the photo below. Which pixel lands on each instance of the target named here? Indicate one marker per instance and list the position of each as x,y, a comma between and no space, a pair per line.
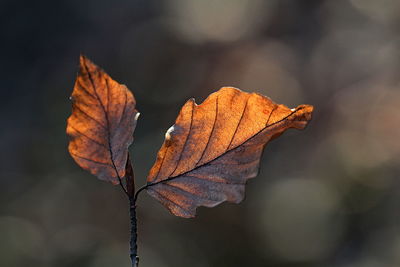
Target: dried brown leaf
102,123
215,147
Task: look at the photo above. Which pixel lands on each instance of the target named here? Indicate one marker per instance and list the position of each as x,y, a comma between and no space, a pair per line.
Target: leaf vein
169,200
186,141
240,120
88,137
88,159
85,89
206,179
270,114
211,134
89,116
107,121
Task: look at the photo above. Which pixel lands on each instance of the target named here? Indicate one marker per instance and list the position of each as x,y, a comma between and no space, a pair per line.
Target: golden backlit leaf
102,123
215,147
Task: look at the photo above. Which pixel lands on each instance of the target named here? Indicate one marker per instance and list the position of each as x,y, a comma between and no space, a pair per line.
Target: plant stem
133,245
130,191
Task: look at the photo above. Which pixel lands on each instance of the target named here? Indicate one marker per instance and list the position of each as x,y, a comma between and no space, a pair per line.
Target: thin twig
133,242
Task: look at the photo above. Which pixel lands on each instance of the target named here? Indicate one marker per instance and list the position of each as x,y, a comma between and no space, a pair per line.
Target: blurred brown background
328,196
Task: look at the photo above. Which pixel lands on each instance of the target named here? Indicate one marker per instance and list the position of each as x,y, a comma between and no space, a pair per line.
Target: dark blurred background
328,196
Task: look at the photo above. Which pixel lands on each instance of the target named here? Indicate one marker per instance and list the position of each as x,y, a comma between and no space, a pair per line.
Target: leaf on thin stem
215,147
102,123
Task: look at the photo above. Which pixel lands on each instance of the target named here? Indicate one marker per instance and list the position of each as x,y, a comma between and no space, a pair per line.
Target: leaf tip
303,114
86,63
82,58
306,111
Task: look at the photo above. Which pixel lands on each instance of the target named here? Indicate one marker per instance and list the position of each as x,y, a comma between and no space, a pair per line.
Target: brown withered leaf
102,123
215,147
